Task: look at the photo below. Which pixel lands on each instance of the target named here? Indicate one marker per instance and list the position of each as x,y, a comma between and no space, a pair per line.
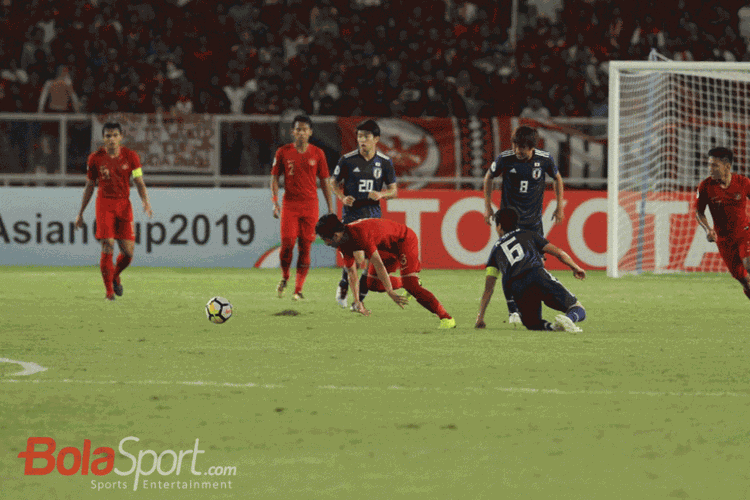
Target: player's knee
108,246
411,284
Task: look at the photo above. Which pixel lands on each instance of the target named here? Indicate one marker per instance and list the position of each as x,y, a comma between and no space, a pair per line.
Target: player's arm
351,272
88,191
328,192
487,188
382,273
563,256
391,191
141,187
700,216
559,214
338,190
275,196
490,281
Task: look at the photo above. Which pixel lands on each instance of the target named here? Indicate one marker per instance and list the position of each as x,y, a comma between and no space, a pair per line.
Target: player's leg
391,265
125,236
736,255
350,215
559,298
410,268
289,233
105,233
304,243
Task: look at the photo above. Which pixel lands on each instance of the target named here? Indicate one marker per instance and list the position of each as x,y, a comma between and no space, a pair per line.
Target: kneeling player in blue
518,256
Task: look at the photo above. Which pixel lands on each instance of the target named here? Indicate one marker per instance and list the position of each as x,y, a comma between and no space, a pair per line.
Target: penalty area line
392,388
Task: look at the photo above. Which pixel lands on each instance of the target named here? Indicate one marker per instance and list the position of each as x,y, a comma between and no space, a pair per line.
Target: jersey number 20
366,185
514,253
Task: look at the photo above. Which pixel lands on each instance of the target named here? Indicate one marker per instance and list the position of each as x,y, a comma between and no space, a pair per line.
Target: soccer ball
218,310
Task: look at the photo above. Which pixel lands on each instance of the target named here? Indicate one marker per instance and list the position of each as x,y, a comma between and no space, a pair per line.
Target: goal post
664,116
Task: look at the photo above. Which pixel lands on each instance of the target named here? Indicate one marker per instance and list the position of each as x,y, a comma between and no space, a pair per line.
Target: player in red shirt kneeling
367,239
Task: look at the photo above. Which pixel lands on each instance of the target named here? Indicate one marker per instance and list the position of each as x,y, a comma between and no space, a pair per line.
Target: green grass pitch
652,400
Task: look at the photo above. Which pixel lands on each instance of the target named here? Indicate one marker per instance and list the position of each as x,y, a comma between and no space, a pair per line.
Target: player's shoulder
506,154
380,154
541,153
350,155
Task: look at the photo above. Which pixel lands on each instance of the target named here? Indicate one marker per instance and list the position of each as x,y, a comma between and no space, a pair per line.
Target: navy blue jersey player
360,180
518,256
524,170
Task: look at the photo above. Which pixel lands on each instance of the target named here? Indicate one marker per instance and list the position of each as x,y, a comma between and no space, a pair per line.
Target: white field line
394,388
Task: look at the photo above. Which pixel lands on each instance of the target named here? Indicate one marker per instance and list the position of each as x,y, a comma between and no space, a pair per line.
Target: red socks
106,267
425,298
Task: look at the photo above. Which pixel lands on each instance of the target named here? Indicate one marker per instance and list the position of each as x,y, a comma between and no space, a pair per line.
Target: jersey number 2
514,253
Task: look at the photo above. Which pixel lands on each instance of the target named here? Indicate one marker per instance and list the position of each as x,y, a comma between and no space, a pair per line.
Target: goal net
664,116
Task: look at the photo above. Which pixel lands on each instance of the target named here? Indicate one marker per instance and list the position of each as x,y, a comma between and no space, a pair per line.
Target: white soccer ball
218,310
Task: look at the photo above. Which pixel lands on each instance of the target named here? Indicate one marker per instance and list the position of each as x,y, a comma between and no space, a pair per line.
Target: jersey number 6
514,253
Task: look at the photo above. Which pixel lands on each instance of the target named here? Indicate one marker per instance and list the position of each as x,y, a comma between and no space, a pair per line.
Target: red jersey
727,206
369,235
113,174
300,171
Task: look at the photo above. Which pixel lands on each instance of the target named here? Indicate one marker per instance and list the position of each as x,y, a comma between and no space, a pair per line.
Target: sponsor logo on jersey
737,196
537,164
536,173
124,166
312,163
512,170
356,169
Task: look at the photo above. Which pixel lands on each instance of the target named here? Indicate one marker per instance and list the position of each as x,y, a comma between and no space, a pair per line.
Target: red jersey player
367,239
111,167
301,164
725,194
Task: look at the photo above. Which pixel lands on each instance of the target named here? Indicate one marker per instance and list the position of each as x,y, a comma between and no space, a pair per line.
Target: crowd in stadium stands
341,57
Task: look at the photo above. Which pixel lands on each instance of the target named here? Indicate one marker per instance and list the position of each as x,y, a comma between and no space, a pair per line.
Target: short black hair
507,218
302,119
111,126
724,154
524,137
369,126
328,225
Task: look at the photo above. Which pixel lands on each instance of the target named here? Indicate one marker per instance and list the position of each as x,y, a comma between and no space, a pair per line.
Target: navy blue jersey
517,252
361,176
524,183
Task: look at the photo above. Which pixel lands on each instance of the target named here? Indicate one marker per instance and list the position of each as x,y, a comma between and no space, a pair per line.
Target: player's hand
488,217
558,215
348,201
711,235
374,195
276,211
480,324
400,300
579,273
79,221
147,209
360,308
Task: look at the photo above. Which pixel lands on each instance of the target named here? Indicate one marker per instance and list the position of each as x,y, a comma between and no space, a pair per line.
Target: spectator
58,94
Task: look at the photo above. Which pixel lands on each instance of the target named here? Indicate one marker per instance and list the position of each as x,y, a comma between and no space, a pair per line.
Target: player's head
523,142
111,126
506,219
720,162
112,135
301,129
331,229
368,135
370,126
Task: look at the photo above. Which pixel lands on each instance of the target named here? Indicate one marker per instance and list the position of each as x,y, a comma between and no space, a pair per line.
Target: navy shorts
535,287
364,212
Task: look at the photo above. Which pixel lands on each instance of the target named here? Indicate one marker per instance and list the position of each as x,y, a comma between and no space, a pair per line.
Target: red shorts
298,220
733,250
114,219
